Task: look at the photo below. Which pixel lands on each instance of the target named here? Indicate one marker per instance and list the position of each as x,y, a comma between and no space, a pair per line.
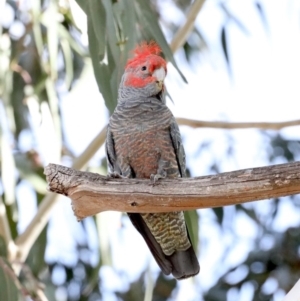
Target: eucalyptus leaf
192,222
3,248
219,212
83,5
111,31
8,288
129,25
101,70
97,17
234,19
225,47
262,15
20,109
35,259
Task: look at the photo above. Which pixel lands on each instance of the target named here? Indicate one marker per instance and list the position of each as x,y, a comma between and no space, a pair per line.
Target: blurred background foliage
42,57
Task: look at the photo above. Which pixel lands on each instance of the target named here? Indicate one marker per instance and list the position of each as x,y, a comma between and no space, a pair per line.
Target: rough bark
92,193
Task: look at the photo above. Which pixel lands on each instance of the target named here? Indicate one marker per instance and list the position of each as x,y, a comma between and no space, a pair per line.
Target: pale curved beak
159,74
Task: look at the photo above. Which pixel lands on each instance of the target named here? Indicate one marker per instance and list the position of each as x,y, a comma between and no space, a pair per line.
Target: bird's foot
115,175
154,178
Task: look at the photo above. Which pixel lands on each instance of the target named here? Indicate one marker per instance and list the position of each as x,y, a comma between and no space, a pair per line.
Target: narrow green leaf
112,39
66,49
35,259
98,19
150,20
128,20
8,288
83,5
234,19
101,70
225,47
118,10
192,222
219,212
224,44
3,248
262,15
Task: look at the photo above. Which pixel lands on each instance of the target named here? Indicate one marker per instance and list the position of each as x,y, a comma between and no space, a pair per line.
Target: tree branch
25,241
182,34
237,125
92,193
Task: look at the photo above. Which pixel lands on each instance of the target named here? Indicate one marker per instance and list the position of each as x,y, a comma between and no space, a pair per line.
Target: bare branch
25,241
182,34
294,293
237,125
92,193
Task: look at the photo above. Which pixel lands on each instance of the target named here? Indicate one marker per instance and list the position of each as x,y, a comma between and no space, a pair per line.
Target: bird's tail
182,264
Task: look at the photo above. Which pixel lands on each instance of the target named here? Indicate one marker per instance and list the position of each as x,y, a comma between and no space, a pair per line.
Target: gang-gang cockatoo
143,141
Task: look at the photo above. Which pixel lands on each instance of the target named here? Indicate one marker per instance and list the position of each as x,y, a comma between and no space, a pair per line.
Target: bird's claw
115,175
154,178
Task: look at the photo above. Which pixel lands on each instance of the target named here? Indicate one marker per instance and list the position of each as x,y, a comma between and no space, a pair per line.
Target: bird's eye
144,68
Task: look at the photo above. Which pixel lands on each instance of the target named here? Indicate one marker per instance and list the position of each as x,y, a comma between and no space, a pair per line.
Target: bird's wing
136,218
178,147
110,152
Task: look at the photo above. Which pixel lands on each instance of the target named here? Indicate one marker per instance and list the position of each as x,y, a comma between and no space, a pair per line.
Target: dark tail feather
154,247
182,264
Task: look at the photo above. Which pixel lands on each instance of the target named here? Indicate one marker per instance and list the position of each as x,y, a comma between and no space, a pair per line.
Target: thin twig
294,293
237,125
182,34
25,241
